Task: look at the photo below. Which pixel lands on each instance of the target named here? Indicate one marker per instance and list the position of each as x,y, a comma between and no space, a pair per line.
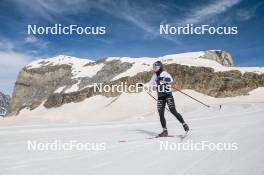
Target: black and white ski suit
162,80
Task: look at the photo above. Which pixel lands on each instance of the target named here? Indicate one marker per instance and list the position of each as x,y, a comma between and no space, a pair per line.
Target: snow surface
60,89
133,117
80,67
58,60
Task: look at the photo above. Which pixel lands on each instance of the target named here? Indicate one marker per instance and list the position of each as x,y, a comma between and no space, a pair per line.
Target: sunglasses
156,65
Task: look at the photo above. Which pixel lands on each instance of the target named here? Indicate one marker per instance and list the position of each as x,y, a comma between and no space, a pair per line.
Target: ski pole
191,97
155,99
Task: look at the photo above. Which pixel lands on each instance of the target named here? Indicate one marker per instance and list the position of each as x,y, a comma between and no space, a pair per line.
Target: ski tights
161,109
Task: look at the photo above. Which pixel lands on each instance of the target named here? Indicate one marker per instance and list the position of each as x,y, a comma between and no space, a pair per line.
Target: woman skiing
163,81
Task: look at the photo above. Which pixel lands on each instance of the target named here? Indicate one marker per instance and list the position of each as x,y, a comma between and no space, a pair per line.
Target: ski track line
228,115
197,162
69,128
111,102
100,125
81,126
32,162
38,161
66,128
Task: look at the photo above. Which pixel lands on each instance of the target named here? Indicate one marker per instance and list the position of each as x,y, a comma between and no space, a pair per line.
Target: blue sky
132,30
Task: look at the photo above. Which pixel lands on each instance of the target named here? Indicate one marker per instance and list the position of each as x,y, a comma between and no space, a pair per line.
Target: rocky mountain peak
222,57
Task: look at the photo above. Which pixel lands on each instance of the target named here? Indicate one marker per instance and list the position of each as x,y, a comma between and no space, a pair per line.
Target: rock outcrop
219,56
35,85
4,104
56,83
201,79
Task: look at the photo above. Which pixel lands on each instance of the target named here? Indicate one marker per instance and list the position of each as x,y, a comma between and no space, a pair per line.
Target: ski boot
185,127
164,133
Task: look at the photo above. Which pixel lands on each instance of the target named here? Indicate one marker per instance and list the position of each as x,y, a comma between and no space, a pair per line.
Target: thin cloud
145,18
203,13
31,39
248,13
35,41
129,11
11,63
51,10
146,15
6,45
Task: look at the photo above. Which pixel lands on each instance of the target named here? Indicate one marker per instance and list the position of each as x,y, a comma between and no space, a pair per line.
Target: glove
163,82
140,84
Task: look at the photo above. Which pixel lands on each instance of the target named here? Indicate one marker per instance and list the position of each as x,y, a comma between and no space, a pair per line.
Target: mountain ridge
63,79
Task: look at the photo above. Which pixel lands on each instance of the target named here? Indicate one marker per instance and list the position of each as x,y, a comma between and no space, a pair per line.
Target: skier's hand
140,84
160,78
163,82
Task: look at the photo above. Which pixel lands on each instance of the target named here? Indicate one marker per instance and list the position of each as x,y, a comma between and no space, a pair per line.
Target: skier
163,81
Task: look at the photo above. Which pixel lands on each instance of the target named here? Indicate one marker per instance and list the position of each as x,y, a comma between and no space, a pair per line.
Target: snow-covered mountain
56,81
4,104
